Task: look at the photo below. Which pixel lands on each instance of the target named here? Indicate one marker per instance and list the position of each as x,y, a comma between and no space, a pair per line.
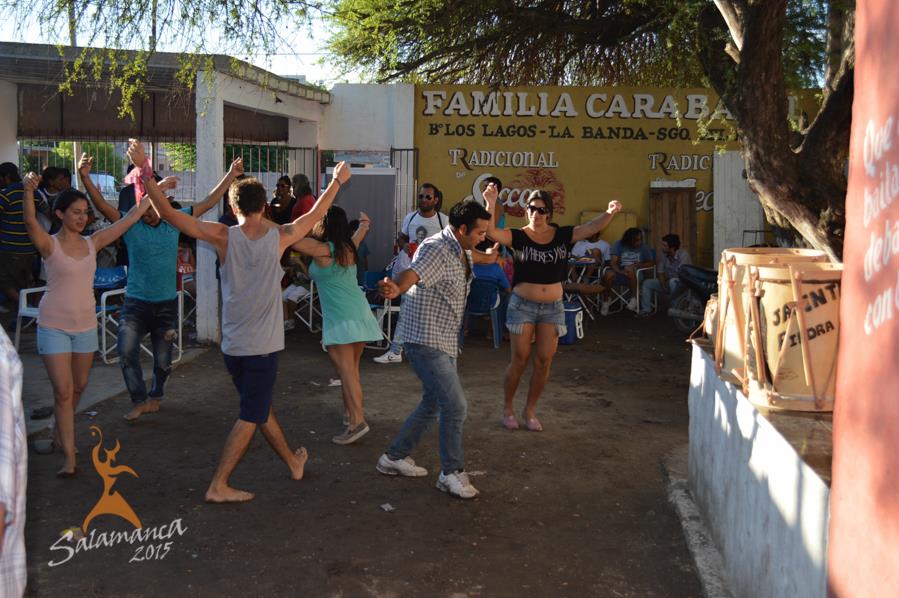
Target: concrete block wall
767,510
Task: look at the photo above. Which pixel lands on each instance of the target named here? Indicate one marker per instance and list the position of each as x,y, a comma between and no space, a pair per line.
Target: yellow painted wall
586,145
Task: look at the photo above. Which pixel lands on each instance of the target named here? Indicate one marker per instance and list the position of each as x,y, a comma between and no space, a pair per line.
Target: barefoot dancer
540,252
252,321
67,319
151,297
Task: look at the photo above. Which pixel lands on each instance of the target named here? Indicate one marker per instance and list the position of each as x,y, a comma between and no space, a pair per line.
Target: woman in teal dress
348,321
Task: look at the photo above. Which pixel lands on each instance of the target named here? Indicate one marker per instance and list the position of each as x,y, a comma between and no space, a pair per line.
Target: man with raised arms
252,320
151,297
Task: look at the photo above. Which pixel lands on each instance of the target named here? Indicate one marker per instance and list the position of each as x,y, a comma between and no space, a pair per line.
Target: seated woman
540,251
67,320
348,322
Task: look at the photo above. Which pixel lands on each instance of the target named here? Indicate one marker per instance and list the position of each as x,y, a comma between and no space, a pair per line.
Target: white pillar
9,124
210,141
302,133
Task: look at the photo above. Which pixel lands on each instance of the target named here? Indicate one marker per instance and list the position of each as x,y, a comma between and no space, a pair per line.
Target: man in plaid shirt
13,472
436,286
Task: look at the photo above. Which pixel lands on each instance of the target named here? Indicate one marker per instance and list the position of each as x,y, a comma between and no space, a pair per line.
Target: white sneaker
604,308
389,357
404,467
632,304
457,484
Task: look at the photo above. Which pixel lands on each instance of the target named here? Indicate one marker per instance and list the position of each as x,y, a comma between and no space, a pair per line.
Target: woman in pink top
67,320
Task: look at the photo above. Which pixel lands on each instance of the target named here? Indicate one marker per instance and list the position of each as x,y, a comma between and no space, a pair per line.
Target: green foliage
618,42
805,41
256,158
107,159
108,29
181,156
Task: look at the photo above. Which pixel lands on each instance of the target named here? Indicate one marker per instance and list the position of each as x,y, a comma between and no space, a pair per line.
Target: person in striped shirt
16,249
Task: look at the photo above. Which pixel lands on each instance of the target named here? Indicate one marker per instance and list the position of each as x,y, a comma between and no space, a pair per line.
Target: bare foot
227,494
151,406
67,471
58,441
298,463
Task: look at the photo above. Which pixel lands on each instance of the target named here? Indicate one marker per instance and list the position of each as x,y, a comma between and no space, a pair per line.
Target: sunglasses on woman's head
538,209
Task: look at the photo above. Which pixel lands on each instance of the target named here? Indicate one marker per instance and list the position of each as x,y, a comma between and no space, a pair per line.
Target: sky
299,54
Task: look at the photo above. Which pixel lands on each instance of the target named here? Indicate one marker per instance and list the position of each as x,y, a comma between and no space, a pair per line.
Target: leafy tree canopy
750,51
535,42
104,29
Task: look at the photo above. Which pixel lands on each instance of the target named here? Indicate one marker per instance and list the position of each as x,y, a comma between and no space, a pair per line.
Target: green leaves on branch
194,29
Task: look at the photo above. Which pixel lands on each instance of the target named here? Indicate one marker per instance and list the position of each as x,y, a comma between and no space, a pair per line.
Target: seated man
628,255
592,247
669,263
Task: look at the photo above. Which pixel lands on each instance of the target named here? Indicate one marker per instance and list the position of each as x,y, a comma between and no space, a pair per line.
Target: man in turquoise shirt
151,295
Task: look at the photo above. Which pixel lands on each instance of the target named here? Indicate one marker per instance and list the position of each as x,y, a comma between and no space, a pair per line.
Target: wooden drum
794,335
731,339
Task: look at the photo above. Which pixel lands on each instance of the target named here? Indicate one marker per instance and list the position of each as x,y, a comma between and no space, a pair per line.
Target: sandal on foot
510,422
534,425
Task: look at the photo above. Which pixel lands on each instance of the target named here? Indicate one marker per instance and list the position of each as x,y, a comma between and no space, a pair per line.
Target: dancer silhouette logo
149,543
110,502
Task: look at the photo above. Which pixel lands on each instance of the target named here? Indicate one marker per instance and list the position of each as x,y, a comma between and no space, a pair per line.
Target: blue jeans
441,395
160,319
654,285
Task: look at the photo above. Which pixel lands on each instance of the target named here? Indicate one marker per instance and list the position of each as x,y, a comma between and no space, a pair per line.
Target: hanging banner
863,548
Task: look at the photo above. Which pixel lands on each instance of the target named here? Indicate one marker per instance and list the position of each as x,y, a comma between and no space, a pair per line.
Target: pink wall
863,552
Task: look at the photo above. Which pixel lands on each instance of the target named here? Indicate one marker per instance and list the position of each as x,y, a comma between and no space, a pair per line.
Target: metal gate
406,163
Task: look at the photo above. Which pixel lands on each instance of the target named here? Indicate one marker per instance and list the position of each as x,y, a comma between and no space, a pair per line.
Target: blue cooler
574,320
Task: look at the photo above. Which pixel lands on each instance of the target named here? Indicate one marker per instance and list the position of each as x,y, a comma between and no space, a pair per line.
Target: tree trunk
803,187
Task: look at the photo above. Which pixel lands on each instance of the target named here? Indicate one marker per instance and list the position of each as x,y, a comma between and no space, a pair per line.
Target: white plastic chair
26,312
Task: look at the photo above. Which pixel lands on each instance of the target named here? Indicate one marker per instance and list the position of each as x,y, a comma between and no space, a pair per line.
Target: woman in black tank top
540,254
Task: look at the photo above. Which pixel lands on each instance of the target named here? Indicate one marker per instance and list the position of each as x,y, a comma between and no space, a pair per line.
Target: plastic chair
26,314
621,294
309,310
383,310
484,299
190,302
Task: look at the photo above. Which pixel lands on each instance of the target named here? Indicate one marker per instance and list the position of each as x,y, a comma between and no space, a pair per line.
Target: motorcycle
688,307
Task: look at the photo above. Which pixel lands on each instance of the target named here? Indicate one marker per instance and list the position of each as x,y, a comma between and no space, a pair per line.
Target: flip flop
41,412
534,425
510,422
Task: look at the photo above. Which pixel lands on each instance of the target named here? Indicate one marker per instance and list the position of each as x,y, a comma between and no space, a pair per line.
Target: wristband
339,184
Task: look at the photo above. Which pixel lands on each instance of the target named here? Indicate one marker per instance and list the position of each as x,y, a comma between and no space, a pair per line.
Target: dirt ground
578,510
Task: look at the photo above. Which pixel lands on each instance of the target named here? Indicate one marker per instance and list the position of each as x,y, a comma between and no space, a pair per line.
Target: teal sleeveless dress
345,310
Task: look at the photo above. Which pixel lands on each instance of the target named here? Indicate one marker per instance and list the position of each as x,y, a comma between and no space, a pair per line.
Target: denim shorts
53,341
523,311
254,377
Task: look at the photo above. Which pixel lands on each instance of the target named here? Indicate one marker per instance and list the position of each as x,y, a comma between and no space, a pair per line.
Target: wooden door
672,210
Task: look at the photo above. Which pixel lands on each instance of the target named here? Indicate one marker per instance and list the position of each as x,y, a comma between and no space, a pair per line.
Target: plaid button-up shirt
13,471
433,308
